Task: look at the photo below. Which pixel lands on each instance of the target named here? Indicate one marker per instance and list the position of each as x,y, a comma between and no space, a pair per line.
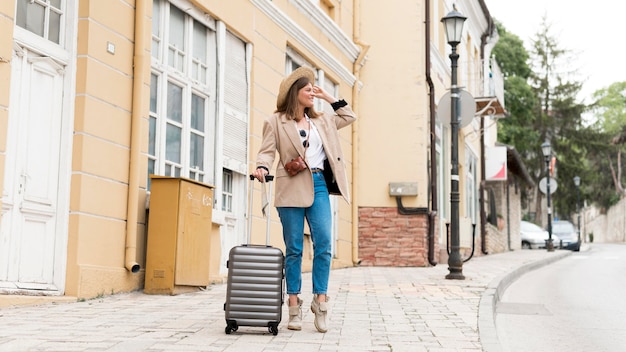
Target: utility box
179,229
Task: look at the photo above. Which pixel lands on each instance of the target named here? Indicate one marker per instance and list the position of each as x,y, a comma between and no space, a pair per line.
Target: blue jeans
318,216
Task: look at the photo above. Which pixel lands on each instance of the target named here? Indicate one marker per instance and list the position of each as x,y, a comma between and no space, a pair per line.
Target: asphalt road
575,304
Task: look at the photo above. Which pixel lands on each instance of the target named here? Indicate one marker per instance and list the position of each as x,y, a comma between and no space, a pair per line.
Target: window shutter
236,105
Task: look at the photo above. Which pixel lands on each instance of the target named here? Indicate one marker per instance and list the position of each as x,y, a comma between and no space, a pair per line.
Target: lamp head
546,149
453,24
577,181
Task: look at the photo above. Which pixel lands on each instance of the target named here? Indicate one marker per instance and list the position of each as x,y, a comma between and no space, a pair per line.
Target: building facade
97,96
405,133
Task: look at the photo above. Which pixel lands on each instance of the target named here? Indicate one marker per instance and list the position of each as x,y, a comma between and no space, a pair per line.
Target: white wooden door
29,241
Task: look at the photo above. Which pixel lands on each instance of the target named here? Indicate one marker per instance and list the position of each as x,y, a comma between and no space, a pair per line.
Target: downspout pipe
136,133
358,64
483,217
433,152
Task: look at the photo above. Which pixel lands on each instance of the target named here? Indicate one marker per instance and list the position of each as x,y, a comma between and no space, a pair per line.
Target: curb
491,297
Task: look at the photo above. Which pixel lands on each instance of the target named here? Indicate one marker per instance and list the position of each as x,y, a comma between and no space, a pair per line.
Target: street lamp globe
576,181
453,23
546,149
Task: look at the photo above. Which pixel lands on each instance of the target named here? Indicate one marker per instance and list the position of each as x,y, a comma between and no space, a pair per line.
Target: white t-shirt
315,154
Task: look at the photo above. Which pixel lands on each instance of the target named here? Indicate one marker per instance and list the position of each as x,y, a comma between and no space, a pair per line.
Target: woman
297,130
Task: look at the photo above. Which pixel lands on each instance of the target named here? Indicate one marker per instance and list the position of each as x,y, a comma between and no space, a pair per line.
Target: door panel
28,228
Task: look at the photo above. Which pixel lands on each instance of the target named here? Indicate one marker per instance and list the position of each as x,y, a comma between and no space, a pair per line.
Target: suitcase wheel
231,326
273,328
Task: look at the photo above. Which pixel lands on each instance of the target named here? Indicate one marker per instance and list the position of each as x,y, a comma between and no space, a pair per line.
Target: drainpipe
358,64
135,137
483,217
433,152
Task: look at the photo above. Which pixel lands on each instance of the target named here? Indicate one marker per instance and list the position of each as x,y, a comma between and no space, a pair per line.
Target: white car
534,237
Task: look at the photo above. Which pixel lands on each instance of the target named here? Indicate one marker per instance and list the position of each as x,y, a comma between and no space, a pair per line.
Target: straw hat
290,80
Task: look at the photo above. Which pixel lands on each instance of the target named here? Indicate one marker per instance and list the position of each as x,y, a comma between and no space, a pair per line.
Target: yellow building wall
394,128
7,9
101,153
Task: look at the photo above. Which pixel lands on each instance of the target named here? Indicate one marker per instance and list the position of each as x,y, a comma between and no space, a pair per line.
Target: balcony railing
486,84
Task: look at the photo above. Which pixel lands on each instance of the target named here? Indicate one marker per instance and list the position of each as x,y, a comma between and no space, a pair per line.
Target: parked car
567,233
534,237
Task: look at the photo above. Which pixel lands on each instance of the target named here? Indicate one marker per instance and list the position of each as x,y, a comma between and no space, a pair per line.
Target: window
235,105
176,50
227,191
42,17
331,88
182,94
199,110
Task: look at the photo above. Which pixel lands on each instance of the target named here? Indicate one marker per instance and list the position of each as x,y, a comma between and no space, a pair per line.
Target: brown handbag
295,166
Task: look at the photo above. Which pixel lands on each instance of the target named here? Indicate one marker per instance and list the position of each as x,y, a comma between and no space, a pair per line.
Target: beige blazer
281,135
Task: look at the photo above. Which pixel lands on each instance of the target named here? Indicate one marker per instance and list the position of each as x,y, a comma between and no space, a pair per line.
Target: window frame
164,75
40,44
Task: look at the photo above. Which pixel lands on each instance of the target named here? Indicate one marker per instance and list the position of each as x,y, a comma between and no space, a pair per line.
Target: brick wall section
387,238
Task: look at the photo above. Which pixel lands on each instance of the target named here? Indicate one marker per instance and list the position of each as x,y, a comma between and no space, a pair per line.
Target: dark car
567,234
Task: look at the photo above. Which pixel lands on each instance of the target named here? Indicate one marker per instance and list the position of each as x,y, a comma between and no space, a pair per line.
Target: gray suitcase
254,291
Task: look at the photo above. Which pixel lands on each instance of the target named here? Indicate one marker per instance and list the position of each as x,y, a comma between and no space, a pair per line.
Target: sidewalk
371,309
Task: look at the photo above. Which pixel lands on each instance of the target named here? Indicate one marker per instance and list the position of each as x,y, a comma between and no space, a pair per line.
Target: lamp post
453,24
577,183
546,149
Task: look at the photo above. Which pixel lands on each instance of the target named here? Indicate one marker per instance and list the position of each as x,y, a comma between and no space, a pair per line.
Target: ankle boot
320,309
295,316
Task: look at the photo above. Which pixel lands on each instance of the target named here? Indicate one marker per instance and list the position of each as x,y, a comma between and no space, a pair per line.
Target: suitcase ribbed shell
254,293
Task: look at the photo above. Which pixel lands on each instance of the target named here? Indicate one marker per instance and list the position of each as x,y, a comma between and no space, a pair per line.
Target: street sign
543,185
467,108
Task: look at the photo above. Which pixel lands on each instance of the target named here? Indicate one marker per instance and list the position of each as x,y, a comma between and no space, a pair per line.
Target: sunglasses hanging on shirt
303,134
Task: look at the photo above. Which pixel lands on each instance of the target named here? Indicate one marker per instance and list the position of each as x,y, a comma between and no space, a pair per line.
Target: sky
595,31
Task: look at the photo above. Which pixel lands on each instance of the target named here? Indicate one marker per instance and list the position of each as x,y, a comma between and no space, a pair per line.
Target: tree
541,100
558,115
609,111
517,128
609,107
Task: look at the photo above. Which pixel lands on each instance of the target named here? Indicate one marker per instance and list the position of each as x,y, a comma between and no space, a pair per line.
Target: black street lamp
547,153
453,24
577,183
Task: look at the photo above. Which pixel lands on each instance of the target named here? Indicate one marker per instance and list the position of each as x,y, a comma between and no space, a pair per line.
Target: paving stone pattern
371,309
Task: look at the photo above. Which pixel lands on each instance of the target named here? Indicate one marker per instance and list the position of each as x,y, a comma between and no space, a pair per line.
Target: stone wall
609,227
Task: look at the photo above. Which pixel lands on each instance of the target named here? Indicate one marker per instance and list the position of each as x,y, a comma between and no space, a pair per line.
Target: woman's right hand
260,173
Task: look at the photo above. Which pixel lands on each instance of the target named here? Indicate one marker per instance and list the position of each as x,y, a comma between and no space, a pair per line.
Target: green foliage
541,101
543,107
609,107
596,176
510,53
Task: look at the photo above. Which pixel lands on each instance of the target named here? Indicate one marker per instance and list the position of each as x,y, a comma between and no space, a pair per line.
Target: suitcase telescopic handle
268,179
